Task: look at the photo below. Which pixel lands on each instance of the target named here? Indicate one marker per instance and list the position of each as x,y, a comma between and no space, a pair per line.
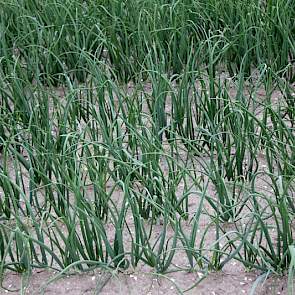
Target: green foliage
118,117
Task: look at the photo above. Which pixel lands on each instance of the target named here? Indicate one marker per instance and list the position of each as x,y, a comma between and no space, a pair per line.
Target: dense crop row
122,118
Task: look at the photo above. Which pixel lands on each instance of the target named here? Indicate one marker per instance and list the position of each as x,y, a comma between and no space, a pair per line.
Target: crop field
147,147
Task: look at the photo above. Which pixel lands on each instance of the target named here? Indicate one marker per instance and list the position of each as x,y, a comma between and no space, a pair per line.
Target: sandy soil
232,280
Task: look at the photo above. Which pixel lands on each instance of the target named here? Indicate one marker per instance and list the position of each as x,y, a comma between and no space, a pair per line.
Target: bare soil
232,280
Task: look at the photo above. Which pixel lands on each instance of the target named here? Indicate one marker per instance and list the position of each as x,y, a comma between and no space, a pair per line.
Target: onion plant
127,125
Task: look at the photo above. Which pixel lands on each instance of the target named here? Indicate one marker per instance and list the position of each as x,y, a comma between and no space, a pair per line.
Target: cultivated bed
147,147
